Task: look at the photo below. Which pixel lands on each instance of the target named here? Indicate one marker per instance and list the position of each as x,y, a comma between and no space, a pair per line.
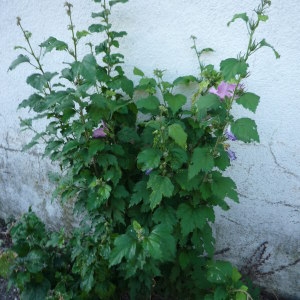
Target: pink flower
100,132
224,90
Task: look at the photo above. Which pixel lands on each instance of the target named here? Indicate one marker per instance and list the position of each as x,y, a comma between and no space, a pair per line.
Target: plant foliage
144,165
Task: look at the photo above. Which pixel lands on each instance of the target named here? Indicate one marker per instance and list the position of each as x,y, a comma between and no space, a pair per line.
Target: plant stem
34,55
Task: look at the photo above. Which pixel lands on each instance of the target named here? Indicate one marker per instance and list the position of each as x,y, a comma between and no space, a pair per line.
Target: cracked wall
267,174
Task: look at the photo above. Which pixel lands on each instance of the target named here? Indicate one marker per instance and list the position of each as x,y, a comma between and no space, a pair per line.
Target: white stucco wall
267,174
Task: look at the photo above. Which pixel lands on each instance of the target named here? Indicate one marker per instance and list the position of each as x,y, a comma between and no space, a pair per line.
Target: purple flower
224,90
229,135
148,171
100,132
231,154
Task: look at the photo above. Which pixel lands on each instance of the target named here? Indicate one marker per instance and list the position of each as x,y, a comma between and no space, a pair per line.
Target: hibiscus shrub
144,167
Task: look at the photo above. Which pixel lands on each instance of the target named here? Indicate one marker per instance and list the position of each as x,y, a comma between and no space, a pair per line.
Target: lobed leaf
53,43
175,102
219,271
231,67
161,187
194,217
149,159
98,28
245,129
125,247
202,159
249,101
223,187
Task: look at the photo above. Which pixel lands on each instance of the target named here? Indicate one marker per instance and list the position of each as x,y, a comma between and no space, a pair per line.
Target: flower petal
229,135
231,154
99,133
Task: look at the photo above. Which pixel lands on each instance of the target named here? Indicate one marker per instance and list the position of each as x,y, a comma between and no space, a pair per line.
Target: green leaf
138,72
52,43
88,68
29,145
117,34
249,101
236,275
125,246
175,102
240,295
206,50
208,240
202,159
104,192
219,272
185,80
88,281
148,105
152,248
70,146
242,16
127,86
222,161
37,81
140,193
81,34
20,59
147,84
161,187
33,102
177,133
263,43
178,157
35,261
98,28
206,103
220,293
165,215
149,159
113,2
49,76
184,260
52,147
101,14
186,184
245,129
194,217
128,135
223,187
231,67
162,236
36,291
